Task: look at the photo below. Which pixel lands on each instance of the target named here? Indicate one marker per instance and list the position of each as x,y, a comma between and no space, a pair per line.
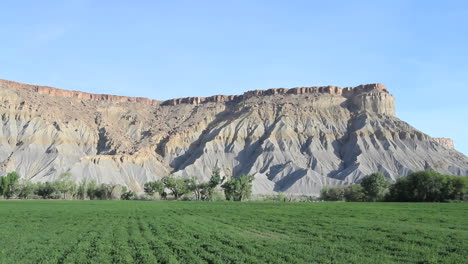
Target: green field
224,232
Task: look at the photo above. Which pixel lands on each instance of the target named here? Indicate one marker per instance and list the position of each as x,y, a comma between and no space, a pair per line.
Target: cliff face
446,142
294,140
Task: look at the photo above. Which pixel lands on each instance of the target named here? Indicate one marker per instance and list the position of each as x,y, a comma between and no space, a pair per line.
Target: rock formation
293,140
446,142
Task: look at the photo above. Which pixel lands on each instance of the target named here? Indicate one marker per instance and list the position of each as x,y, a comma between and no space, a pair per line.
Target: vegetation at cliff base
45,231
419,186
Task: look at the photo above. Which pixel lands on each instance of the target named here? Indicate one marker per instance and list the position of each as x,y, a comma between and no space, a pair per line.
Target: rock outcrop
46,90
446,142
293,140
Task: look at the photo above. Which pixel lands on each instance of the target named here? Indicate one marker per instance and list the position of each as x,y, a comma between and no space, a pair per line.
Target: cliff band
293,140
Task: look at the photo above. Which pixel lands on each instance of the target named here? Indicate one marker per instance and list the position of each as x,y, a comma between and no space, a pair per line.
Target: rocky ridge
294,140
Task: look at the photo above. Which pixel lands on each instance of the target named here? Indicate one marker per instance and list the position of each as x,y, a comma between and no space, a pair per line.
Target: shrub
129,195
26,189
47,190
332,194
354,193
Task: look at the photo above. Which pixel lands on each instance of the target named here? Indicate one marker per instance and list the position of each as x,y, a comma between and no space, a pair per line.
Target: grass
223,232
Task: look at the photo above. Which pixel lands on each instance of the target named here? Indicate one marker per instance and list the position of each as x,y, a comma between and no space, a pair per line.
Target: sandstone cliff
294,140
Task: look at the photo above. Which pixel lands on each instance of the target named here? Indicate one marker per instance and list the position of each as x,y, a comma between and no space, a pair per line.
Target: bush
129,195
47,190
26,189
354,193
332,194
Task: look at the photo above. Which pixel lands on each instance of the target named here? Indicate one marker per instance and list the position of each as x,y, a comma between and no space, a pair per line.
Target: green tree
153,187
127,195
196,187
400,191
81,190
91,189
207,190
428,186
238,189
46,190
65,185
354,193
332,194
9,184
103,191
178,186
26,189
375,186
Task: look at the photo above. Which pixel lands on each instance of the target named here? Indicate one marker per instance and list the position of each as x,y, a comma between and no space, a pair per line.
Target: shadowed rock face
294,140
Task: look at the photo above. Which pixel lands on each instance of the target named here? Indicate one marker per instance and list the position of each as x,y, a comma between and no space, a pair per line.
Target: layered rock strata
293,140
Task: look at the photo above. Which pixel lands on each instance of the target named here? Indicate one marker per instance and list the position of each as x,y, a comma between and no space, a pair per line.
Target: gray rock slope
293,140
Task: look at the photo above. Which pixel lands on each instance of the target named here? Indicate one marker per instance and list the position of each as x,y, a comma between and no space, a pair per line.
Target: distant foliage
178,186
421,186
26,189
350,193
332,194
428,186
9,185
153,187
375,186
128,195
238,189
47,190
63,188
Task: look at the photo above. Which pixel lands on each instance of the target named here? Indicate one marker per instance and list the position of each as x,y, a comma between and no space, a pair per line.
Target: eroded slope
294,140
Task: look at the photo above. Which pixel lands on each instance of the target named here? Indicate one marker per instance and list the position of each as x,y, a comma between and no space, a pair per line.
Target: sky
170,49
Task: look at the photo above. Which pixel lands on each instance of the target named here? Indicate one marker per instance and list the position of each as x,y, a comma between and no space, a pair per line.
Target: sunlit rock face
293,140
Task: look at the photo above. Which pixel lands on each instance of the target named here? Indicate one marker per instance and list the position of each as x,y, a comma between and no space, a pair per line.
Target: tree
375,186
104,191
91,189
399,191
238,189
65,185
127,195
81,190
428,186
153,187
178,186
207,190
46,190
26,189
354,193
9,184
332,194
196,187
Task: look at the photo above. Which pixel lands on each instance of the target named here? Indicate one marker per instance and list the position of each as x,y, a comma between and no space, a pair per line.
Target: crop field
224,232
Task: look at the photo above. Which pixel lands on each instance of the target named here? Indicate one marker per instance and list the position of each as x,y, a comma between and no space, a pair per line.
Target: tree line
11,186
420,186
235,189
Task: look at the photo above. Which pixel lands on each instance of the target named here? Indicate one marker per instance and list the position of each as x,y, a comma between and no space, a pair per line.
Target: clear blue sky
167,49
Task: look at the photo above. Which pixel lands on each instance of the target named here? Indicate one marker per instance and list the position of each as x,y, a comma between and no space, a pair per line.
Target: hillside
294,140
